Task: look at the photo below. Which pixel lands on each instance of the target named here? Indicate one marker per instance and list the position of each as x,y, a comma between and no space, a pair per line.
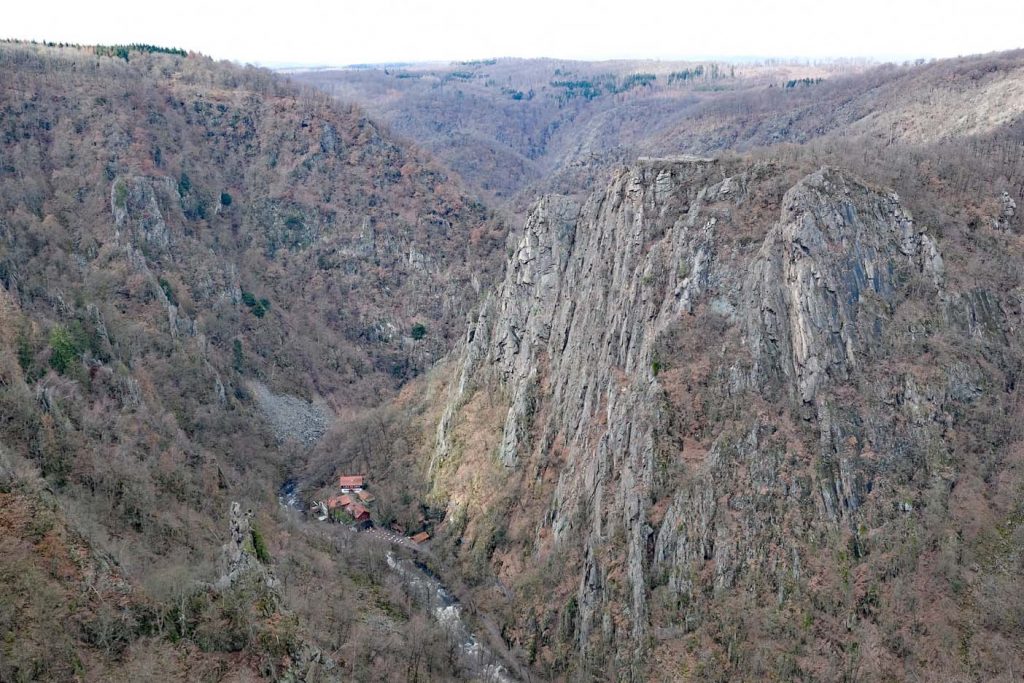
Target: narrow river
475,657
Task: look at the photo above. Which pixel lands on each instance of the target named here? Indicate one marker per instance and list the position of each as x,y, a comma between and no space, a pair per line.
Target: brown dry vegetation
516,149
302,245
516,128
172,229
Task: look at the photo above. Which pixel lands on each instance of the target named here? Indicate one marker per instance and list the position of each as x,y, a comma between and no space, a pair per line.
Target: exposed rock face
240,555
582,304
514,325
713,408
1009,210
825,279
136,204
245,572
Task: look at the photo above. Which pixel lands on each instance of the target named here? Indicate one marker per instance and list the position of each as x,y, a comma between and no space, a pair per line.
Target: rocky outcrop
827,277
241,556
247,573
513,326
581,305
1008,209
713,384
138,204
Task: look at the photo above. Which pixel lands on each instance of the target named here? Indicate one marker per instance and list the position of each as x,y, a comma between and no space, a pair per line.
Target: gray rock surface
239,555
825,278
1009,210
138,204
291,418
575,340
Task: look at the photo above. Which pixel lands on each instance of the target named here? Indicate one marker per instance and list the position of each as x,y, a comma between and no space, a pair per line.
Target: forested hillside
738,398
201,265
514,127
520,128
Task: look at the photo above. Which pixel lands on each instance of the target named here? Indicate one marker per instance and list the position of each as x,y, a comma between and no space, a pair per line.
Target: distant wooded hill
518,128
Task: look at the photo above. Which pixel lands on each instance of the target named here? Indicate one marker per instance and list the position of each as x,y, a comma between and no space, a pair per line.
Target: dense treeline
712,72
123,51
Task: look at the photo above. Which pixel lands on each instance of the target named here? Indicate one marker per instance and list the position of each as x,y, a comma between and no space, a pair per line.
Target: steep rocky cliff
731,406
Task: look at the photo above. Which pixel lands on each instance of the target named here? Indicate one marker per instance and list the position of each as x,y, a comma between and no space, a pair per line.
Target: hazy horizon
311,33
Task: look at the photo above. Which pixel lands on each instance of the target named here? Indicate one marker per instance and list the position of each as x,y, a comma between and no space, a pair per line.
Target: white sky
373,31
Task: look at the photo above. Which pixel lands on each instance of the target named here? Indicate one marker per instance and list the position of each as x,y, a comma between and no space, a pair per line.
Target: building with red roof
342,501
351,482
358,512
